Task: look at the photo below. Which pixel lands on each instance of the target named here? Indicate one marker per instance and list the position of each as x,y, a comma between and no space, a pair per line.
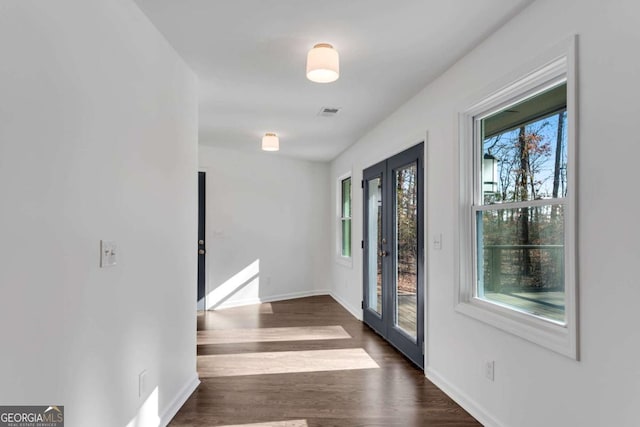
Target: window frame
556,65
346,261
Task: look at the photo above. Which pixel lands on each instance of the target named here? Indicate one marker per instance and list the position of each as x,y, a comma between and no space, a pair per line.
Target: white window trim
340,259
556,64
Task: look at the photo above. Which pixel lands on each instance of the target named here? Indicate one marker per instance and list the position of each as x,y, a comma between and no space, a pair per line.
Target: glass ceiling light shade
323,64
270,142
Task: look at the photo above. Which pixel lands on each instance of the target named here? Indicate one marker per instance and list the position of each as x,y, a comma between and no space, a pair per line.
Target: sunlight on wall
248,276
148,412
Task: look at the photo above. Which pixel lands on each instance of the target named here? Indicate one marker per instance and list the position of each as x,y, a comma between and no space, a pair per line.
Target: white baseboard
462,399
357,313
179,400
272,298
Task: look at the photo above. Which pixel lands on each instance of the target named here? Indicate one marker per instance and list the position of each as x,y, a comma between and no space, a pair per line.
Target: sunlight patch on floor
290,423
262,308
265,308
305,333
284,362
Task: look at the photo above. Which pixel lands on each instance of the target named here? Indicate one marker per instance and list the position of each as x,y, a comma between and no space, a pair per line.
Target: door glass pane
406,229
374,236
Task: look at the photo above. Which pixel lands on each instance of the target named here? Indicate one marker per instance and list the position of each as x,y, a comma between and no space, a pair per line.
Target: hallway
307,362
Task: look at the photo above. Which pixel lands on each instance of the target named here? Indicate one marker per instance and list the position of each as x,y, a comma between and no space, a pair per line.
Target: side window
345,217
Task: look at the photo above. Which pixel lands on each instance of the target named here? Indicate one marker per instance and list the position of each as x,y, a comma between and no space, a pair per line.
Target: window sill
548,334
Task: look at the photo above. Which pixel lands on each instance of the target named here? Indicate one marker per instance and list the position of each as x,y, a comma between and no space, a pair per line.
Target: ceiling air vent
328,111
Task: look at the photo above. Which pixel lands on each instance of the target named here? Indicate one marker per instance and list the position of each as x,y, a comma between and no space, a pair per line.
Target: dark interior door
201,239
393,256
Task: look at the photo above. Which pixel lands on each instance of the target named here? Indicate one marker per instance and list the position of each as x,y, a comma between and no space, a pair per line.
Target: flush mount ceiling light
323,64
270,142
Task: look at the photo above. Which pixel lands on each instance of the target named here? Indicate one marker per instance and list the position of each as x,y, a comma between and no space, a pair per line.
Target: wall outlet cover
490,370
142,383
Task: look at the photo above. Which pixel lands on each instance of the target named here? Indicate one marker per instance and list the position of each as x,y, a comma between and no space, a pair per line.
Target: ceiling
250,58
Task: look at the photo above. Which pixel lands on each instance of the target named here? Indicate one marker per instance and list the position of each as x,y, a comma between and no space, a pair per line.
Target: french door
393,251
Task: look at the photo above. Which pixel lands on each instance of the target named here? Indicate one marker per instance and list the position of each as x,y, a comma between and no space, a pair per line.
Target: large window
345,217
519,212
518,206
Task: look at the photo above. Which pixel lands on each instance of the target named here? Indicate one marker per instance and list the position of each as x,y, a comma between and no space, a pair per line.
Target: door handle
201,252
383,253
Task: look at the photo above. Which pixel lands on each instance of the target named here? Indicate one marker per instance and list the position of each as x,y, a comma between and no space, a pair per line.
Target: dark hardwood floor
394,394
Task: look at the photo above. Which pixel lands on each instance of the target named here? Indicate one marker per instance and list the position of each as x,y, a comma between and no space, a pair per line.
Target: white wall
266,226
534,386
98,140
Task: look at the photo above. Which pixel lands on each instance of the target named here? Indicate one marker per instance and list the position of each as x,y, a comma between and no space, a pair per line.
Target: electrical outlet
489,370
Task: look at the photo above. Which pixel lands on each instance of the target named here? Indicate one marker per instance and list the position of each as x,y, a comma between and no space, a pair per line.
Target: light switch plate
108,251
437,241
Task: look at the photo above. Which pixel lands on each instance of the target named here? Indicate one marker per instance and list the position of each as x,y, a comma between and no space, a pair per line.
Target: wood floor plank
395,395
